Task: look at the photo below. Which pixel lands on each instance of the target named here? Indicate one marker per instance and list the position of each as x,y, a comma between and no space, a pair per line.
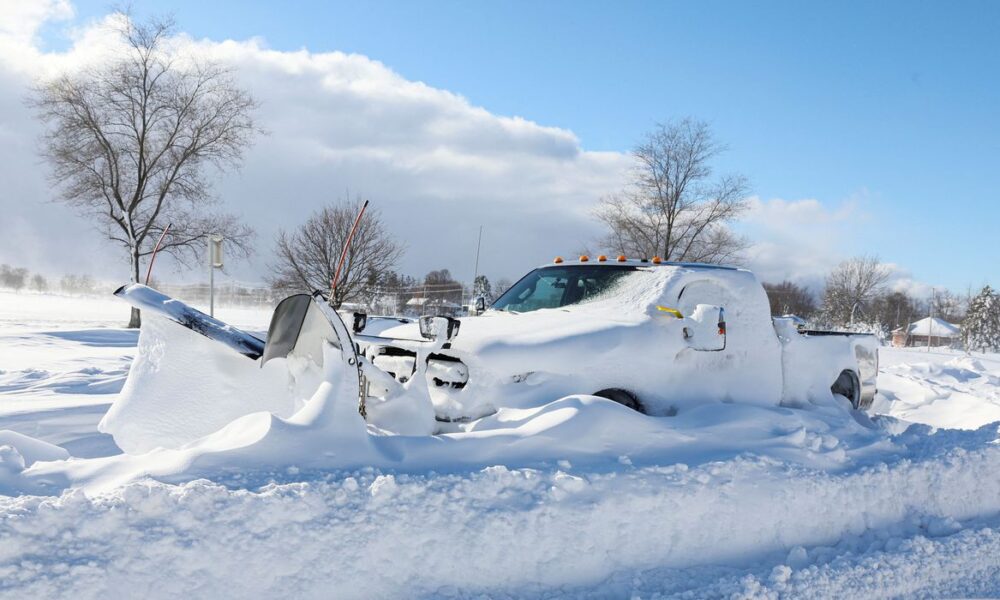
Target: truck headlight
433,328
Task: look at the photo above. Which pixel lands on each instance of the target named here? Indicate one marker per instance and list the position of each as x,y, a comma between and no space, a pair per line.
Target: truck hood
551,340
632,302
536,327
560,339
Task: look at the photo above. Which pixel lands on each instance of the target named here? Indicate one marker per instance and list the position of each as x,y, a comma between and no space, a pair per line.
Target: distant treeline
226,292
19,278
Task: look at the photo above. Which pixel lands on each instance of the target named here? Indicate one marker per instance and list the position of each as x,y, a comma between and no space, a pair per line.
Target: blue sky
892,105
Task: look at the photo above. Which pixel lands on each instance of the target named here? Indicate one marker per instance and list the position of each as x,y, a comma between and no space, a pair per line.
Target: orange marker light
621,258
557,260
657,260
602,258
584,258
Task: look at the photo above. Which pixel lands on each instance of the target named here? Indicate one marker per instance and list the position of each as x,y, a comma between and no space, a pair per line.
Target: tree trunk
135,320
335,301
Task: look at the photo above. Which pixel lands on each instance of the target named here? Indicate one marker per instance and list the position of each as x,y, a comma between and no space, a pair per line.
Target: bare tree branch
851,289
307,258
129,142
670,207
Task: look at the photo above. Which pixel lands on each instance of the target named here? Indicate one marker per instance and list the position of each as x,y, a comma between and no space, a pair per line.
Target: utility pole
930,321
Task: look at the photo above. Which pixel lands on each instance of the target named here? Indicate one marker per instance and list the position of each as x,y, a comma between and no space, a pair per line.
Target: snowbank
183,386
578,497
18,452
502,531
940,387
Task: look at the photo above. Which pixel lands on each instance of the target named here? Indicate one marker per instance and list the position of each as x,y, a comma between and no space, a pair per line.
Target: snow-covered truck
655,336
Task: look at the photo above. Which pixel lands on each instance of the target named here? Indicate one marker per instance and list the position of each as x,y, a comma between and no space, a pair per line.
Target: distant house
939,332
433,306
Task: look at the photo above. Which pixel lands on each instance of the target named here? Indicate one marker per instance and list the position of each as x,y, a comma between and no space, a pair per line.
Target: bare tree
307,258
852,287
503,284
672,207
947,306
439,277
392,291
894,310
14,278
39,283
787,298
441,292
129,142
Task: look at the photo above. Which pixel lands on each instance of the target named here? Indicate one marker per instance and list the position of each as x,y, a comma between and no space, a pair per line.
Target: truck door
704,303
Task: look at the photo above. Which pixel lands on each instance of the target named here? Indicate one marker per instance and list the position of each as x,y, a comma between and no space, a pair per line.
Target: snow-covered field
580,498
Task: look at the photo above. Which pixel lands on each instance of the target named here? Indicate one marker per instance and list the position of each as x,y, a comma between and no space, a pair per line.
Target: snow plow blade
148,299
300,324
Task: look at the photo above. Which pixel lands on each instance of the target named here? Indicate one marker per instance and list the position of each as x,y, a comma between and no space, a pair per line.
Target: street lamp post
214,262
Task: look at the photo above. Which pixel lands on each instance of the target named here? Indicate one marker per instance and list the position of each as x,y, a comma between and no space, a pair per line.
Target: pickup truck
658,337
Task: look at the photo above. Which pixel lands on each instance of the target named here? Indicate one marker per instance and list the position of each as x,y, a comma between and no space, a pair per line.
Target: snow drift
575,497
183,386
556,530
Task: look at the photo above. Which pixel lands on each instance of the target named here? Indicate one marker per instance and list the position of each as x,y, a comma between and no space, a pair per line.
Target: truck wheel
623,397
848,386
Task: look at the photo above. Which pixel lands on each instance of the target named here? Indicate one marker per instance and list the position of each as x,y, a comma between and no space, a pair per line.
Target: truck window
701,292
555,287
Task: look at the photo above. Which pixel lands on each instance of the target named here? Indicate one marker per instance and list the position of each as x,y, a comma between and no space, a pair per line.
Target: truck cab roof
638,262
564,283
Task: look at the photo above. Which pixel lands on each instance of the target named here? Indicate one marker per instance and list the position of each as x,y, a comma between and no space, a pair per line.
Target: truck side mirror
480,305
360,321
705,329
435,328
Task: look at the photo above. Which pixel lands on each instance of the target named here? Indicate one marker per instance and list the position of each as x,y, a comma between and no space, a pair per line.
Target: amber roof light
621,258
584,258
557,260
657,260
602,258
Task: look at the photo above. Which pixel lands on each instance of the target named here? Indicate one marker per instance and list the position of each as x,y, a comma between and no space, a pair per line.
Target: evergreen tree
481,287
981,328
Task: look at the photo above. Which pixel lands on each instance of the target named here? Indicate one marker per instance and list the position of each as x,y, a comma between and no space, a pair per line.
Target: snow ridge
524,532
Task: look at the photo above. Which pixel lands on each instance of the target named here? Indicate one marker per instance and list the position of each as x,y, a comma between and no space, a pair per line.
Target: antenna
479,245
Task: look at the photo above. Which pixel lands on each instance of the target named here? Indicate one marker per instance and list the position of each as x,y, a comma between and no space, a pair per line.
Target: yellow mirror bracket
672,311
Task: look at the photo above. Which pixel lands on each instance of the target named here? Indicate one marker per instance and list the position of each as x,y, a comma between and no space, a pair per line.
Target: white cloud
436,165
801,240
20,20
901,280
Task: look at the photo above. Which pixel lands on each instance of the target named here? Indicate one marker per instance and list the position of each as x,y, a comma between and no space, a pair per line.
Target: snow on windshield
561,286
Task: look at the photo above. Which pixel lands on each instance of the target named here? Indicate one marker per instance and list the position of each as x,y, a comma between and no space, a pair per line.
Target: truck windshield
555,287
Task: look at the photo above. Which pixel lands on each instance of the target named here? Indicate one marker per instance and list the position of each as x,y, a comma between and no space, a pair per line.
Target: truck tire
848,386
623,397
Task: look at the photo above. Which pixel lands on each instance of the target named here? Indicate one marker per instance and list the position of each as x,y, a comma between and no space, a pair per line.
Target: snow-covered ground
580,498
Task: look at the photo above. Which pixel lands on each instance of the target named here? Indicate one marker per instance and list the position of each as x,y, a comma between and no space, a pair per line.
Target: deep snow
578,498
